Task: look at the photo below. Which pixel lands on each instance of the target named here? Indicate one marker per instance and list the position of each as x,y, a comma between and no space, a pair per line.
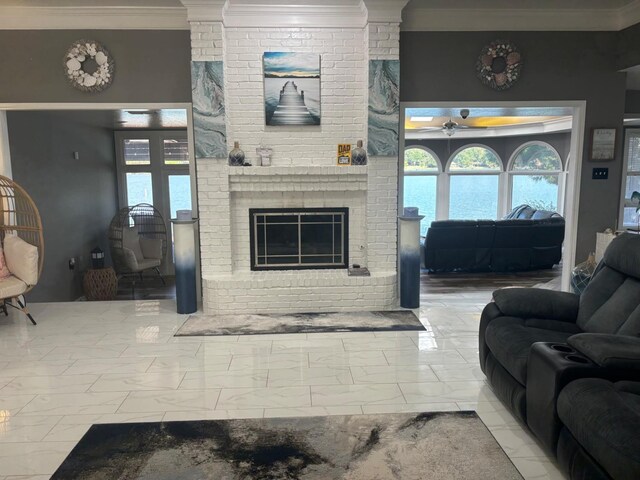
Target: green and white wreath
88,66
499,65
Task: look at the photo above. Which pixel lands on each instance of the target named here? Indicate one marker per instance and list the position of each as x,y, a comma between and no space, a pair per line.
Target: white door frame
572,188
121,106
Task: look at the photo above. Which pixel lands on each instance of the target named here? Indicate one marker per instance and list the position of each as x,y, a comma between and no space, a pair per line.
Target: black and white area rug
258,324
442,446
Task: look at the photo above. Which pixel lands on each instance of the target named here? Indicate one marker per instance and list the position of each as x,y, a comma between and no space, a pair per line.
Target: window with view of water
535,176
474,184
153,168
421,184
630,217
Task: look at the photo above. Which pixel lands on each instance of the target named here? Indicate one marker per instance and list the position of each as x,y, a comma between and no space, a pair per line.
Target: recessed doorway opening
103,159
497,183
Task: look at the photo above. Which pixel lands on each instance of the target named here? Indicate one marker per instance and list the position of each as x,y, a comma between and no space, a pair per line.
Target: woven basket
100,284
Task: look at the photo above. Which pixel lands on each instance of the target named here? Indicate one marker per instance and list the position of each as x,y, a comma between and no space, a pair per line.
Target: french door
153,167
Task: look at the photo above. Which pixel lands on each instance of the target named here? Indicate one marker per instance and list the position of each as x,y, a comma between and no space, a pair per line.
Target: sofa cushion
611,303
515,211
526,213
543,214
510,340
623,255
605,419
12,287
22,259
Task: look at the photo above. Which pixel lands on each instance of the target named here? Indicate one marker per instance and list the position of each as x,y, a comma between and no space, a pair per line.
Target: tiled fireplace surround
303,172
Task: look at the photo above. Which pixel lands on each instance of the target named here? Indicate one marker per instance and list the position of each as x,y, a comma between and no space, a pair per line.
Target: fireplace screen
288,239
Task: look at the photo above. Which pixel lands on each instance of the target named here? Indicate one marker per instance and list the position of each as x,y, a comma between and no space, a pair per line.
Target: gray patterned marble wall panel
207,91
384,107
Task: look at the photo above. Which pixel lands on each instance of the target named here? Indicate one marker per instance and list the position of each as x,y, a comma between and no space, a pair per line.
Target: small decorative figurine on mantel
265,155
359,155
236,156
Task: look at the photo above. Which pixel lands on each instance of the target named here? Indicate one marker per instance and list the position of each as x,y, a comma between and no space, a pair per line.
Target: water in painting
292,88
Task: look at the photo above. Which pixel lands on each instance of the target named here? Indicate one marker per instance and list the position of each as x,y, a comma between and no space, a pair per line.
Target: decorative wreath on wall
499,65
88,66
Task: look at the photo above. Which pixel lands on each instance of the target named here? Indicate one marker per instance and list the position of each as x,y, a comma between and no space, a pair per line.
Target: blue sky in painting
287,64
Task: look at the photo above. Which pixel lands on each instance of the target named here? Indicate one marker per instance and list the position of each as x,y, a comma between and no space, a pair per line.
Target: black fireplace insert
299,238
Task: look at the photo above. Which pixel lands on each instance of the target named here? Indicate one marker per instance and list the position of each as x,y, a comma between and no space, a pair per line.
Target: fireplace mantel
297,170
297,179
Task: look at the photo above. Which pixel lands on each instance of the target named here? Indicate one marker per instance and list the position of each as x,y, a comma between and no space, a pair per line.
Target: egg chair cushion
131,240
151,248
12,287
22,259
4,270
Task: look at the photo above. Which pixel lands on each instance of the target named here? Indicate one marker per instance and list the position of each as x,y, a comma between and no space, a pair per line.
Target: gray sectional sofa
526,239
568,366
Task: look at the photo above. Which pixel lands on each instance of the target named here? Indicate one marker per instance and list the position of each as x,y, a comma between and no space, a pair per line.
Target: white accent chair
23,245
138,241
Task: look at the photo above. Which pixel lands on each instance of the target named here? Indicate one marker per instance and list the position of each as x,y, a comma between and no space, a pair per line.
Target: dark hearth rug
260,324
451,445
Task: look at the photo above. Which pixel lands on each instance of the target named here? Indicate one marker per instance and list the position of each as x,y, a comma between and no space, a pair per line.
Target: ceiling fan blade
471,127
428,129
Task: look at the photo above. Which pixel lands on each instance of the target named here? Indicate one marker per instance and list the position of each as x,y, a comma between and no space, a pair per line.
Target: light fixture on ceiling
421,119
449,128
141,112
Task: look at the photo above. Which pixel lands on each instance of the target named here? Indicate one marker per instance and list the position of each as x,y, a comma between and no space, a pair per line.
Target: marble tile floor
118,361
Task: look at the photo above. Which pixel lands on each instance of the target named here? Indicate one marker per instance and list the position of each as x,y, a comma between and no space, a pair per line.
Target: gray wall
505,147
76,198
440,67
150,66
632,101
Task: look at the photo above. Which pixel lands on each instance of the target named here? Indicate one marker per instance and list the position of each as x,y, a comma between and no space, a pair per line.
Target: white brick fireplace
303,173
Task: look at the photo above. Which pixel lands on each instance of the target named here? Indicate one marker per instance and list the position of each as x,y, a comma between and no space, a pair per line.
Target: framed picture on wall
291,88
603,144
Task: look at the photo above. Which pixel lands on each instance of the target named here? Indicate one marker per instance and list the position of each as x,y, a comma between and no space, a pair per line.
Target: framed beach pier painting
291,88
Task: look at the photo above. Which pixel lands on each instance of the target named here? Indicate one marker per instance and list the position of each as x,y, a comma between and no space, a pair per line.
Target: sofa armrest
537,303
151,248
615,352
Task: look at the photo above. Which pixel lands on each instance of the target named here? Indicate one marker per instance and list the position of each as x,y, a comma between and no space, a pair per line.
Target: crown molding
204,10
385,10
487,19
93,18
308,15
629,15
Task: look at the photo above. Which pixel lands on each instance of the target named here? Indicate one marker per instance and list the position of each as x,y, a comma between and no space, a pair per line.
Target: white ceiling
438,4
91,3
417,15
519,4
134,118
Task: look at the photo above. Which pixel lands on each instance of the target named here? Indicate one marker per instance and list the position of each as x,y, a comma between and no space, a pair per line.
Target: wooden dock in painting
291,109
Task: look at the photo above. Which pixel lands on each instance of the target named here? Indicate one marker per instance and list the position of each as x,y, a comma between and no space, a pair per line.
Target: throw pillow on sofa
22,259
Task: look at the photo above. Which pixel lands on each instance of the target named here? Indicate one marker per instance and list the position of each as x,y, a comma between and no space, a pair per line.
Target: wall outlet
72,263
600,174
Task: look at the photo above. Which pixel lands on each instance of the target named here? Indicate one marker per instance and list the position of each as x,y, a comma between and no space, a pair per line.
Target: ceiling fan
450,127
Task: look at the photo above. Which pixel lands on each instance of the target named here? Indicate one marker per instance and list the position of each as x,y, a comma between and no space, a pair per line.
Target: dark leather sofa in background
568,366
526,239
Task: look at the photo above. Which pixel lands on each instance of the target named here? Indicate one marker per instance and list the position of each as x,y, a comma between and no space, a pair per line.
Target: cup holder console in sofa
568,366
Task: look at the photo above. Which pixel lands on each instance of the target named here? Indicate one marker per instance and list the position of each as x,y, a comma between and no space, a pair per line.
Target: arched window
421,169
474,183
535,175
